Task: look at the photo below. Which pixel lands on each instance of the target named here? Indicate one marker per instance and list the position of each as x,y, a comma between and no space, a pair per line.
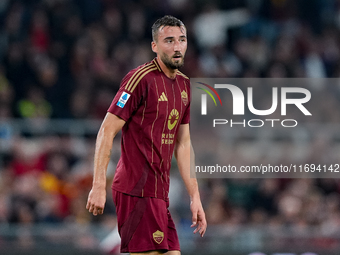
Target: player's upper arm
112,124
183,136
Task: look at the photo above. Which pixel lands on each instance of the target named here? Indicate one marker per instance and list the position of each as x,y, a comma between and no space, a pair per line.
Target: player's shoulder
184,78
144,69
151,65
134,77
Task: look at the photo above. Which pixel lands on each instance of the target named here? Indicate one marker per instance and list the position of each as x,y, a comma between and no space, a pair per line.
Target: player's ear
154,47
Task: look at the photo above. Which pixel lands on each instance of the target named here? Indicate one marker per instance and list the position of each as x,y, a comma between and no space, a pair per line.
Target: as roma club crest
158,236
184,97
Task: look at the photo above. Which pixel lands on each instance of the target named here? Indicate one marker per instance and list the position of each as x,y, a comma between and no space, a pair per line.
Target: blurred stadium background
61,62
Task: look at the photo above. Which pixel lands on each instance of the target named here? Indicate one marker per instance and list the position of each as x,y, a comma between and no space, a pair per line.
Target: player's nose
177,46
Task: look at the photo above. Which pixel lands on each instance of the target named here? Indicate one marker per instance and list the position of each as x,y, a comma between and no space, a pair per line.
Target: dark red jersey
153,106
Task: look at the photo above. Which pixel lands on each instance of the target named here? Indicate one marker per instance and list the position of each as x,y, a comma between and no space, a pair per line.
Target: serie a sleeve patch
123,99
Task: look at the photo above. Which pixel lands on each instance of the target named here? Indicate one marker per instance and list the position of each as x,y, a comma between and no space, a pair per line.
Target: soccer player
152,107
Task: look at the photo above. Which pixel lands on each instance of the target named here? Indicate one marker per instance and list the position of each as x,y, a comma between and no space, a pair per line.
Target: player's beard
172,64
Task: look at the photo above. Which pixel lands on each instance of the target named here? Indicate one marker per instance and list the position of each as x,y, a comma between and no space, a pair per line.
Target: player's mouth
177,57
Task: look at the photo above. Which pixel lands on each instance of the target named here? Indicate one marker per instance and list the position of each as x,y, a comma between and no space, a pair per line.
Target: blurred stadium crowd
65,59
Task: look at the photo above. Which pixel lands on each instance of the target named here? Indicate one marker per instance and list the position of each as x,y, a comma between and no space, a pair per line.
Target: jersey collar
156,64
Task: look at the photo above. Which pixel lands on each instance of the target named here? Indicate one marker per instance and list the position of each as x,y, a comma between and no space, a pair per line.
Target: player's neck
171,73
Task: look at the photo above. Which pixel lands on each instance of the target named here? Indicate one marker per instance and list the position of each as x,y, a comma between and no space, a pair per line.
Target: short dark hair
167,20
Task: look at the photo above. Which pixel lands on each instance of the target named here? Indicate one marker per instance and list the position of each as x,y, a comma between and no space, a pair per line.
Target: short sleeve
186,115
128,97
